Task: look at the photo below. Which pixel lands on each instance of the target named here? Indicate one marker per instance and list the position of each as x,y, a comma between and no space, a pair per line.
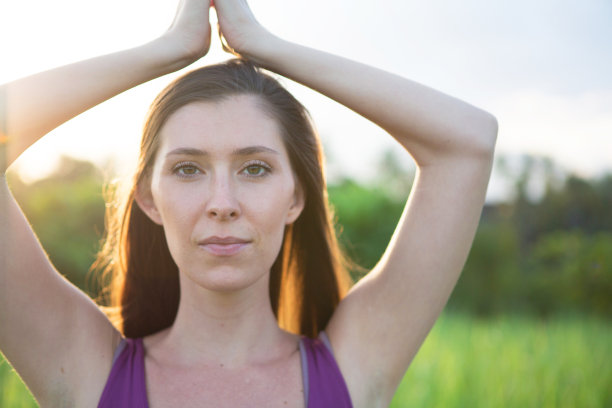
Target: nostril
223,214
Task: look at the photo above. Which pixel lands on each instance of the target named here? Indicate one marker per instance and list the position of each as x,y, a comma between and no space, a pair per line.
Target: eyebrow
244,151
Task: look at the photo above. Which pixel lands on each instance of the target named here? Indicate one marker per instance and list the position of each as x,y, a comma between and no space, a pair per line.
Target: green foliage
511,362
537,254
366,219
366,214
566,202
66,210
490,271
571,270
543,255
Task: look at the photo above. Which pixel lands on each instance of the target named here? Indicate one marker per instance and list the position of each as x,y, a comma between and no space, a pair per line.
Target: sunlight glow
540,108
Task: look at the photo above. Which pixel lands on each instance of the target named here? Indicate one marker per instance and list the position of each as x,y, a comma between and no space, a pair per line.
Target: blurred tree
570,270
368,213
547,250
66,210
490,273
366,220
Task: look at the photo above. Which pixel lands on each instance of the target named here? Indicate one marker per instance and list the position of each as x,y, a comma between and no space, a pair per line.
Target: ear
144,199
297,206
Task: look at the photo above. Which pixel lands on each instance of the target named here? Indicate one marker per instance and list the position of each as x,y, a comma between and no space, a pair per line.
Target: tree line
543,253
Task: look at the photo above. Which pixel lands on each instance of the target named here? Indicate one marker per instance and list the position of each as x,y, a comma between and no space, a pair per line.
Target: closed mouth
215,240
223,246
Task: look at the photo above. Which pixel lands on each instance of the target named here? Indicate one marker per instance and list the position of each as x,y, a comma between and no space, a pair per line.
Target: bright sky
543,68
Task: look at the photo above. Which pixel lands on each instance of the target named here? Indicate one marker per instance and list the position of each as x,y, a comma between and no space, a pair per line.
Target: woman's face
223,189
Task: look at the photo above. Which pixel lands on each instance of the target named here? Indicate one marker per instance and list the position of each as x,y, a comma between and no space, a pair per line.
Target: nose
222,204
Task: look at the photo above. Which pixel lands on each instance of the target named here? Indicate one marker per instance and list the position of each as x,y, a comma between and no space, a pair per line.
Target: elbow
489,131
480,138
471,136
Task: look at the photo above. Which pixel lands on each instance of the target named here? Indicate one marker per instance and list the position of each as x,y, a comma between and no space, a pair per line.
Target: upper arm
52,333
380,325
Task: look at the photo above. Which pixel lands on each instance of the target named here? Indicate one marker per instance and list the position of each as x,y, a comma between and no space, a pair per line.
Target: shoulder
92,386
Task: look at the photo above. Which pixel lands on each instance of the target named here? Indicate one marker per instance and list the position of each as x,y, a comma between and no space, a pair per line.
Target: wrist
167,55
261,48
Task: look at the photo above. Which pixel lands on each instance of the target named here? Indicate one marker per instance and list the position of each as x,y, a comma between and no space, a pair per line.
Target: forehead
226,125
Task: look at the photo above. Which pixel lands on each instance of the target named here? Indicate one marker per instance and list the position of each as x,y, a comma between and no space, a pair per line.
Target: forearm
428,123
37,104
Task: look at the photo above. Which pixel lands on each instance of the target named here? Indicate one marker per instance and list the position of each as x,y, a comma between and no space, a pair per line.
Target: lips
223,246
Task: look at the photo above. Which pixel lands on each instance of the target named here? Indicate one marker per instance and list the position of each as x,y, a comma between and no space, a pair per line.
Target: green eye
257,169
186,170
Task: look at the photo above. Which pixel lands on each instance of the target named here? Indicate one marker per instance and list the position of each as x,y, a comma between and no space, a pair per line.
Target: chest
277,384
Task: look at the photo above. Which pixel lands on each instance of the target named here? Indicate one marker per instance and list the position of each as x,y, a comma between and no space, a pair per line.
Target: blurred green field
512,362
467,362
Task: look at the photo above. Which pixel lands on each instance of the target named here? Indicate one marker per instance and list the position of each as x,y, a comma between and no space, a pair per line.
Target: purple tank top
323,383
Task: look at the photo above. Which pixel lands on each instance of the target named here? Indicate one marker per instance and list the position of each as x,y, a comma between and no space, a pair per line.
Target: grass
13,393
511,362
466,362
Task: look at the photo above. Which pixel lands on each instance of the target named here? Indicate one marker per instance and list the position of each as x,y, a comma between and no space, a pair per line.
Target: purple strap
323,383
126,385
326,386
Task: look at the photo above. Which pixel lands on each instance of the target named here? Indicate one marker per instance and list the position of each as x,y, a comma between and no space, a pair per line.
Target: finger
224,45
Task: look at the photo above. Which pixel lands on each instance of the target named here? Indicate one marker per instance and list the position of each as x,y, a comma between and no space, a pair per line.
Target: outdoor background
530,321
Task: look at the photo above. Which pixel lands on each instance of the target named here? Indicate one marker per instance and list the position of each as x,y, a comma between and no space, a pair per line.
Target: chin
227,279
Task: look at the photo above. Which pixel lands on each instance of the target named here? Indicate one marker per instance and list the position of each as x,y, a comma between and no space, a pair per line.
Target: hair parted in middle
309,276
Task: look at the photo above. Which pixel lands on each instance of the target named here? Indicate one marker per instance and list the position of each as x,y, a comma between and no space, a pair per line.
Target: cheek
266,215
178,210
269,226
271,206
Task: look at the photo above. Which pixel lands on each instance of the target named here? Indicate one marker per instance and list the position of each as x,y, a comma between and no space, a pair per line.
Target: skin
222,189
224,333
224,298
215,194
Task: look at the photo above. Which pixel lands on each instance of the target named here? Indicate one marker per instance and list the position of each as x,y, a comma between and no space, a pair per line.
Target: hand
190,31
241,34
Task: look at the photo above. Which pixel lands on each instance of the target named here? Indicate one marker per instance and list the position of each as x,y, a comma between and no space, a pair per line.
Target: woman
227,194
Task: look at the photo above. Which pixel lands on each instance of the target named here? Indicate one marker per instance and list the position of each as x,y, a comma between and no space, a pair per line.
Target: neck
225,328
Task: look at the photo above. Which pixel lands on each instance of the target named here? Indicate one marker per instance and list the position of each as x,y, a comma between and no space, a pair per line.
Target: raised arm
37,104
380,325
57,339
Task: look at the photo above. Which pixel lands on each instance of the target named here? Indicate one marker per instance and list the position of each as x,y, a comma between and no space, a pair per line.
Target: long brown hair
309,276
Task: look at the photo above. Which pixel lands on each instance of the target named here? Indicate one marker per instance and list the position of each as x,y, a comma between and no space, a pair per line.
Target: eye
186,170
256,169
